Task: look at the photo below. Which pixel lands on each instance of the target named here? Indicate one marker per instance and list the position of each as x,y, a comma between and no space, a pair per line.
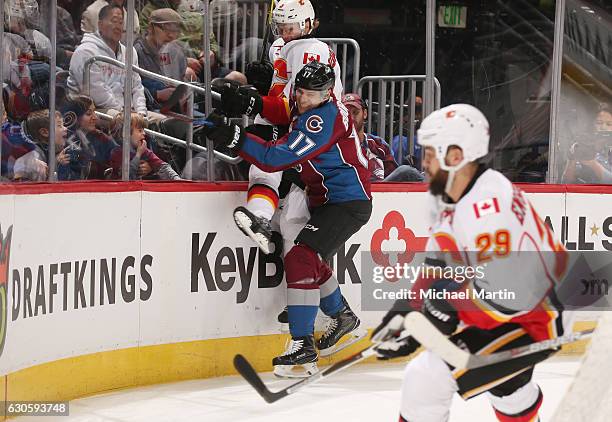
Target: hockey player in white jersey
292,23
482,219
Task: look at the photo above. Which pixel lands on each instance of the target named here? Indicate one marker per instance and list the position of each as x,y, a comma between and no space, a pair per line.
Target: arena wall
113,285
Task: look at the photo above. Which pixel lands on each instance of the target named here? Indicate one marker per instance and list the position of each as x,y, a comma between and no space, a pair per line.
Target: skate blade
244,224
351,338
296,371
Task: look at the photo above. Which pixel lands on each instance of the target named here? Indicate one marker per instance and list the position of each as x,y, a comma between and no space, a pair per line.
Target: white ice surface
363,393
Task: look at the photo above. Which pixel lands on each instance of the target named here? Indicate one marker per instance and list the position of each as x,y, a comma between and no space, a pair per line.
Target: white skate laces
294,346
331,326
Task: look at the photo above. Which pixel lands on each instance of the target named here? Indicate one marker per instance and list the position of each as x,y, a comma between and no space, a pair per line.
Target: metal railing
239,28
334,43
188,144
179,142
383,103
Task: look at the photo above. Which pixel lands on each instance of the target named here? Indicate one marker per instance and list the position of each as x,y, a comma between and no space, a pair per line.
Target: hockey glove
392,348
439,311
239,101
223,133
259,74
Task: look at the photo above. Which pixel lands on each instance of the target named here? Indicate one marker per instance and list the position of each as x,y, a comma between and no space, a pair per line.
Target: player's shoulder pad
308,49
487,202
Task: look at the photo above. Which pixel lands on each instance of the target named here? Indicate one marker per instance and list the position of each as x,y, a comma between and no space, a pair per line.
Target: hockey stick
247,371
266,36
419,327
178,96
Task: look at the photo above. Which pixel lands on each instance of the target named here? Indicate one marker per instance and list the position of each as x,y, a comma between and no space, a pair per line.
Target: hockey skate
345,323
299,353
257,228
283,318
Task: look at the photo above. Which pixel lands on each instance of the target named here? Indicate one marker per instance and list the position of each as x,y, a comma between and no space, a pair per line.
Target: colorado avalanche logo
314,123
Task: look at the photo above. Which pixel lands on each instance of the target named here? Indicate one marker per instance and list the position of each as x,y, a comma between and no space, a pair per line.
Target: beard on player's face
437,182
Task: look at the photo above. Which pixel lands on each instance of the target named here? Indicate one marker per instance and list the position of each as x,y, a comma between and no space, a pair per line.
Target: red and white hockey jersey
293,56
521,260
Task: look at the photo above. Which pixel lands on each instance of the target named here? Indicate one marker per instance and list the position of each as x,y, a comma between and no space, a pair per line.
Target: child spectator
143,162
33,165
91,149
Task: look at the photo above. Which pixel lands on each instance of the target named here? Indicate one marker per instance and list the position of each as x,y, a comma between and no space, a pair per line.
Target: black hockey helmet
315,76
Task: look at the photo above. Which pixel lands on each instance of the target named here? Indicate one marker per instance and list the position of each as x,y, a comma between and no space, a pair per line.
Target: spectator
14,141
89,19
191,39
379,155
67,35
159,54
22,19
33,165
16,55
91,149
106,81
412,158
589,159
381,162
143,162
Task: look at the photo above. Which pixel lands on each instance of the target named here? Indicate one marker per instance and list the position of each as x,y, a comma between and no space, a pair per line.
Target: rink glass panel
496,56
586,89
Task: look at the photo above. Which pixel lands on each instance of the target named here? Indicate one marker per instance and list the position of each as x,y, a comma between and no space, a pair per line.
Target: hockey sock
513,408
301,319
303,270
262,201
331,298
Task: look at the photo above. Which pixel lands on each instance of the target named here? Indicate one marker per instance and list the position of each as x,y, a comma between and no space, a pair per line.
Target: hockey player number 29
500,241
301,144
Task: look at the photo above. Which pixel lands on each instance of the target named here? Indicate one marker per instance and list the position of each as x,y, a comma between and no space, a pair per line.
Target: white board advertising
90,272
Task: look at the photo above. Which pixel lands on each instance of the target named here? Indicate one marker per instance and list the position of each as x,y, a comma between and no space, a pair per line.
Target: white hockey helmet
461,125
293,11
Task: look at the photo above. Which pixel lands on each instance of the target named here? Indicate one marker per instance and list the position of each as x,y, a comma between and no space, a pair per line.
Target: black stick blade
179,95
245,369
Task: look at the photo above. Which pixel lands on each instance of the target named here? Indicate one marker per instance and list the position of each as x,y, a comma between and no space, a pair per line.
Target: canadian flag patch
311,57
164,59
486,207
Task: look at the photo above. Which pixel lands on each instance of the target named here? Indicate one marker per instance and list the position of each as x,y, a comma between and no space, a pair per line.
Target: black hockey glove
223,133
268,133
395,349
391,330
239,101
439,311
259,74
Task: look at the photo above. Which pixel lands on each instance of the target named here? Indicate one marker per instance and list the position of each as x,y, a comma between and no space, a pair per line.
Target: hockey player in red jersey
481,219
